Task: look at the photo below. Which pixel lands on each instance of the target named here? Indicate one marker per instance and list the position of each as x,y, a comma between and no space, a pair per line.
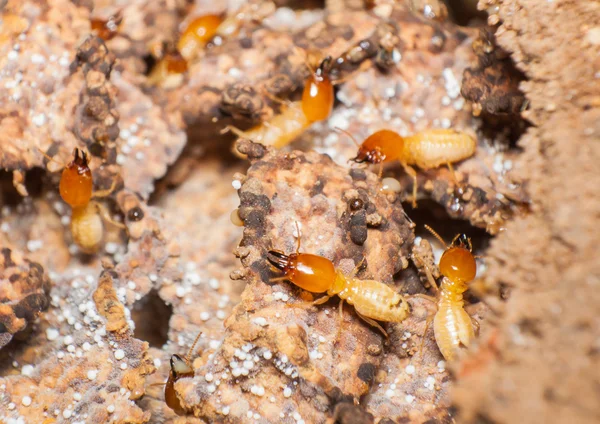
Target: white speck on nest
236,184
110,409
260,321
410,369
39,119
257,390
409,398
204,316
68,340
27,370
67,413
225,410
429,383
287,392
26,401
211,388
52,334
119,354
33,245
77,396
92,374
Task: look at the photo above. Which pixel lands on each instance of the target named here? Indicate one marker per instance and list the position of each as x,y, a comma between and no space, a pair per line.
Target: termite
180,367
427,149
76,189
169,71
452,325
197,34
107,28
372,300
316,105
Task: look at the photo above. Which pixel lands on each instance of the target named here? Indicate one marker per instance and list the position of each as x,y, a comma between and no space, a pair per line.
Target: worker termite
76,189
427,149
316,105
372,300
197,33
452,325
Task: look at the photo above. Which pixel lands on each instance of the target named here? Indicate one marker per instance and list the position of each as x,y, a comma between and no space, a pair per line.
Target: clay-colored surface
88,338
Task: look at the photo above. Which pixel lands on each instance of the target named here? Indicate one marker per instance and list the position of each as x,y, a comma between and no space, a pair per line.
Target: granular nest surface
188,214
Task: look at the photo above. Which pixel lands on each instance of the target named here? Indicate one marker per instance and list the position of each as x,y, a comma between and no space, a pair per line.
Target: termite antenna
298,240
436,235
189,354
51,159
339,130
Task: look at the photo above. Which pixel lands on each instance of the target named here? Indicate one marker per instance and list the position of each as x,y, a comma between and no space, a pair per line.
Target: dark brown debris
492,86
24,292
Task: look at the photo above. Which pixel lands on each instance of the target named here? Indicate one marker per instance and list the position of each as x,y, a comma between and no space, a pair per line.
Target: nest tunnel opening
151,316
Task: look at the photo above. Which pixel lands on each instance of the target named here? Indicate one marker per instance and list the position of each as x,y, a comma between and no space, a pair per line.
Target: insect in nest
76,189
107,29
452,325
180,367
316,105
372,300
427,149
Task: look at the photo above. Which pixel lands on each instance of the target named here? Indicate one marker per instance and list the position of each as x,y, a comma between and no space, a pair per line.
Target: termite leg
431,279
373,323
276,99
339,330
428,322
476,325
452,173
277,279
107,192
431,299
106,216
235,130
380,173
356,268
320,300
157,384
411,171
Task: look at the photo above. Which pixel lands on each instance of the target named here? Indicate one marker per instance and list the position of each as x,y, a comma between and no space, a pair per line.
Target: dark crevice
301,4
151,316
433,214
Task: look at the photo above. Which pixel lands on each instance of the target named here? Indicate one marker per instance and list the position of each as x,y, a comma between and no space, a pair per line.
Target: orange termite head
76,181
457,262
281,261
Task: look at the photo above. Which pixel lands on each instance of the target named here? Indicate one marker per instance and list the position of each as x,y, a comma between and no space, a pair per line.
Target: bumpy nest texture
88,338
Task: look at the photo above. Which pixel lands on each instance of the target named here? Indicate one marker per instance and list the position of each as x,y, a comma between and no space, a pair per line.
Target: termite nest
299,196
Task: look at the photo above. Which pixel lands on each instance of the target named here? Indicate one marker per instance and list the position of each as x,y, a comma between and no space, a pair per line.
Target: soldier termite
373,300
427,149
452,325
180,367
76,189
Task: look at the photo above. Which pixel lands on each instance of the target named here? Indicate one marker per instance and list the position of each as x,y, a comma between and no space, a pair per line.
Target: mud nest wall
87,336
